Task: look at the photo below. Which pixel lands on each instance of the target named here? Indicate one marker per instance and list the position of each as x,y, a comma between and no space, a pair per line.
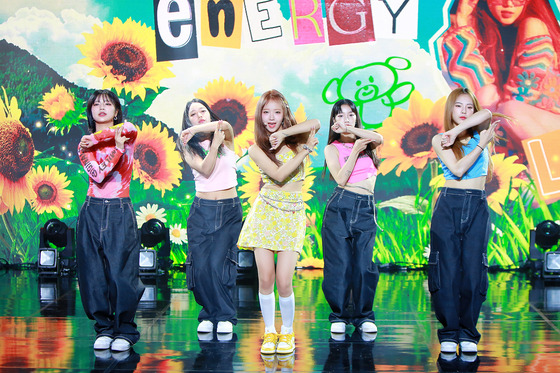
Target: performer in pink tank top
349,224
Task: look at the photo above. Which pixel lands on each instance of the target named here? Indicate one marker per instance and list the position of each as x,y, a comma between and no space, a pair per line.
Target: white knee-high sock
287,309
268,309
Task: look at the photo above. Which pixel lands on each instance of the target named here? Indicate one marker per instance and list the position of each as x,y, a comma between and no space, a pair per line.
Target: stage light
154,233
148,261
51,260
246,266
547,234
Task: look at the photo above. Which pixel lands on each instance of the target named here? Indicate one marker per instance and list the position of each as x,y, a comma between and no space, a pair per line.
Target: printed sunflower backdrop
396,67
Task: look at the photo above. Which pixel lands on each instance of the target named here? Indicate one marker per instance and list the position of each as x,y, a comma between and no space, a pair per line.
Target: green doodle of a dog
374,88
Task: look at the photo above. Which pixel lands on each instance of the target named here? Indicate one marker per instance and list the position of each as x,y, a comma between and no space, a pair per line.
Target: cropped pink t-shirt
224,175
364,167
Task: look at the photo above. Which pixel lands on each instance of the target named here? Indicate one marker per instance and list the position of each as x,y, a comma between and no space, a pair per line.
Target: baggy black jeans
348,234
458,263
212,230
108,247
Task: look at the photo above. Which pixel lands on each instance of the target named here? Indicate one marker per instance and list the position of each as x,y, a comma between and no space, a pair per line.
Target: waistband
357,196
218,202
463,192
106,201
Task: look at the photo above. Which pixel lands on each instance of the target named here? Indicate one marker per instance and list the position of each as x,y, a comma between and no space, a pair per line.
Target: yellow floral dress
276,220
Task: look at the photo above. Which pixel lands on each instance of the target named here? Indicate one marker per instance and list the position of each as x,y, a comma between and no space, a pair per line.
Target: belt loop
444,191
121,201
88,198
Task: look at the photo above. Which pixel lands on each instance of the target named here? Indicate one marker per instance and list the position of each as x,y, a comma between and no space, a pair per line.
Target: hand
487,135
276,139
465,9
360,145
87,141
186,135
339,128
312,141
448,138
119,138
219,136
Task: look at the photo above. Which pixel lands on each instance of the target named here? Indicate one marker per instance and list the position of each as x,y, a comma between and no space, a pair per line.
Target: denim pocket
433,272
229,272
484,275
189,269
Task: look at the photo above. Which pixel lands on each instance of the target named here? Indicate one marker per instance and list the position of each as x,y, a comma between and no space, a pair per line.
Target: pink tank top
224,175
364,167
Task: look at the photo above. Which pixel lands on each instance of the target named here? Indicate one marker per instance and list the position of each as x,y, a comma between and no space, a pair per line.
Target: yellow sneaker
269,361
270,340
286,361
286,344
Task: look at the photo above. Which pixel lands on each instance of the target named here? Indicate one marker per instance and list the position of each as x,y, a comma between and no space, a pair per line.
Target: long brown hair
261,133
448,124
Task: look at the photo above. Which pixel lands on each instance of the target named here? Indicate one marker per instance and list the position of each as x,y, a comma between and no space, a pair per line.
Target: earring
115,118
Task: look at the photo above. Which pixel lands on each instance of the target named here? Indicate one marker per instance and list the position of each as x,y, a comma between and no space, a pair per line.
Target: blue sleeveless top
479,167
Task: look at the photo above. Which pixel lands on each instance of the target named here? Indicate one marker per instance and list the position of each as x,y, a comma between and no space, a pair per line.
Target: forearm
366,134
99,171
302,127
206,166
283,172
481,119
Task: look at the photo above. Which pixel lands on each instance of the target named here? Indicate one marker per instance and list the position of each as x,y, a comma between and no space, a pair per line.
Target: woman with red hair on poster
506,51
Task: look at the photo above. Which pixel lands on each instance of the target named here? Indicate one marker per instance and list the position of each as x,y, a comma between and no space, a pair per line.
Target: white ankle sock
287,309
268,309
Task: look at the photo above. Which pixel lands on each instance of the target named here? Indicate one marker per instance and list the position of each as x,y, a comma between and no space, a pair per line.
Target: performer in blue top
460,229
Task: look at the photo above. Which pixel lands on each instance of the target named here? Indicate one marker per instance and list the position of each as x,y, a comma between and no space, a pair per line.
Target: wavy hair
261,133
193,146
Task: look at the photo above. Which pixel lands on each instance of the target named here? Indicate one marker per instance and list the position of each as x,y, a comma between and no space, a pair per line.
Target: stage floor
43,328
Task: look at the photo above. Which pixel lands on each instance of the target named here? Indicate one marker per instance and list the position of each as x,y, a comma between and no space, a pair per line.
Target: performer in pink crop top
107,235
215,217
349,224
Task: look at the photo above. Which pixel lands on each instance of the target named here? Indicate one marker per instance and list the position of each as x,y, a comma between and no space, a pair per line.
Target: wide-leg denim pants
108,247
458,263
348,233
213,229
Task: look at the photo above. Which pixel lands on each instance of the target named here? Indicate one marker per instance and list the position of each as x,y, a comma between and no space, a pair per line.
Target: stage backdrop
397,59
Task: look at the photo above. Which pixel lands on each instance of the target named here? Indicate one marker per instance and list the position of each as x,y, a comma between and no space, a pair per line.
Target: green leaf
406,204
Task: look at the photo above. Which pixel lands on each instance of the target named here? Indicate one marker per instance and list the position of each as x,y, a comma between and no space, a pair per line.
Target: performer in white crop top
215,217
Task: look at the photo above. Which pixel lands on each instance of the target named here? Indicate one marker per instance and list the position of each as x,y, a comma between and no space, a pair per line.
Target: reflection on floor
43,326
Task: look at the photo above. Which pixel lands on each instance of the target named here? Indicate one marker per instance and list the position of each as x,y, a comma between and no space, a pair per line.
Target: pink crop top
364,167
109,168
224,175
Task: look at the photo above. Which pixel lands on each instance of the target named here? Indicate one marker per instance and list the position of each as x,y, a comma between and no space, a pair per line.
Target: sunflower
50,193
177,234
124,54
149,212
63,110
409,134
236,104
311,263
16,157
156,162
253,182
506,171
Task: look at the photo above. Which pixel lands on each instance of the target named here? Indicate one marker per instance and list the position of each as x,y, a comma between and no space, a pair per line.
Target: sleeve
99,171
461,55
534,59
108,134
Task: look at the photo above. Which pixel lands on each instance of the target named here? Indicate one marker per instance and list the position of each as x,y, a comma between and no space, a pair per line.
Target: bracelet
307,148
481,148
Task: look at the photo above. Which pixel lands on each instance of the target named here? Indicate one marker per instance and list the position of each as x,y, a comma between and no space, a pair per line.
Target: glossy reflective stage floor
43,328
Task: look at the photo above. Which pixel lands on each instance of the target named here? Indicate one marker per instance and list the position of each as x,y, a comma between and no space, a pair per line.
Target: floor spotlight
545,236
246,266
56,248
154,233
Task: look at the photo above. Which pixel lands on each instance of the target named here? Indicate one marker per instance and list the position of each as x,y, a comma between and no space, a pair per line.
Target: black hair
113,98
